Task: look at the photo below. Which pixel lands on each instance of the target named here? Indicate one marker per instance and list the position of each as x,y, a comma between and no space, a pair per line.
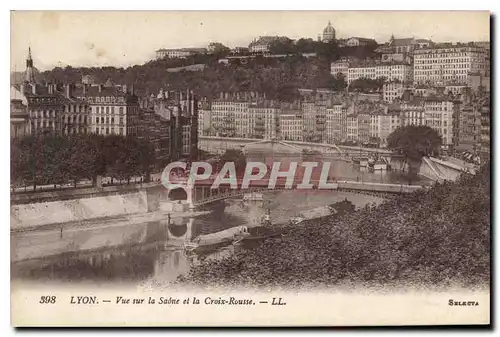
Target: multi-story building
76,113
390,71
113,109
179,53
439,116
479,83
240,50
359,42
383,123
455,89
444,64
181,110
245,115
485,130
336,123
291,126
264,119
156,130
392,91
364,128
262,44
205,119
19,119
44,108
314,120
470,124
352,127
230,116
340,67
412,112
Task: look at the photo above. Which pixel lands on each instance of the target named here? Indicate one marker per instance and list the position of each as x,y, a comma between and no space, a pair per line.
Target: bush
439,237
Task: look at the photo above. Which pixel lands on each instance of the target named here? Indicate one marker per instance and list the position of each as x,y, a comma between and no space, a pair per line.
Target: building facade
439,116
359,42
392,91
340,67
114,110
179,53
391,72
447,64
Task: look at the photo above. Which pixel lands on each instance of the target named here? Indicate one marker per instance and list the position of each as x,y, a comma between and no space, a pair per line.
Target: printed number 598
47,299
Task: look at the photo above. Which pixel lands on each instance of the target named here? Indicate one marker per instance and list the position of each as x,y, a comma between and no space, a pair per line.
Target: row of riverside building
167,120
431,64
338,117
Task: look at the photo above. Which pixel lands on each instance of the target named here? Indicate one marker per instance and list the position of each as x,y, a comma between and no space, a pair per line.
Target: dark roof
93,91
403,42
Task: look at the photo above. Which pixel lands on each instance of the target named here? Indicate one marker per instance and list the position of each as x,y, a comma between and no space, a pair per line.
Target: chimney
100,87
221,95
132,89
125,88
33,88
84,89
22,88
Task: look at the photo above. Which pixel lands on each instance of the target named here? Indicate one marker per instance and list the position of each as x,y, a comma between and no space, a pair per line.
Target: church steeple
30,72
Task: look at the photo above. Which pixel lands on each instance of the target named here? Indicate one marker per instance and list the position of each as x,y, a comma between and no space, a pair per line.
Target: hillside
279,78
436,237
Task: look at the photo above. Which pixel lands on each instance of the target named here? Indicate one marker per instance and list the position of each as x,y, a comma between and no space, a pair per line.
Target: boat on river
378,165
259,233
361,161
216,240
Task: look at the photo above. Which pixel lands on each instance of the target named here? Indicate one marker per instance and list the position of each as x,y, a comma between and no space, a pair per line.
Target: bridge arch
178,194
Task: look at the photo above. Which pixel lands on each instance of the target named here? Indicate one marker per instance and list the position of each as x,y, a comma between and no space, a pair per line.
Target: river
153,251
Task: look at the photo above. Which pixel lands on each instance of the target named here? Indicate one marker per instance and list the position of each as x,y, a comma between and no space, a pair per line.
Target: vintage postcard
273,168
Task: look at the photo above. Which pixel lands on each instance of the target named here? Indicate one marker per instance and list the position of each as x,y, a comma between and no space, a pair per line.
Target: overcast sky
128,38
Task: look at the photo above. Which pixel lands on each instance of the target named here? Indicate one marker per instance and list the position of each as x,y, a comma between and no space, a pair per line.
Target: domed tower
329,33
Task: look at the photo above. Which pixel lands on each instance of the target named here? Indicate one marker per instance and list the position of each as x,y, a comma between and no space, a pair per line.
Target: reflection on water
154,250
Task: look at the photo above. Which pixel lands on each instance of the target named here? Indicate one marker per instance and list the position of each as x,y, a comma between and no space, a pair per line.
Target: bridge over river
431,168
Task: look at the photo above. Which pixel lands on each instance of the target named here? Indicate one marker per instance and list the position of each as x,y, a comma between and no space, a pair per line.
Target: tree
414,142
219,49
367,84
283,45
305,46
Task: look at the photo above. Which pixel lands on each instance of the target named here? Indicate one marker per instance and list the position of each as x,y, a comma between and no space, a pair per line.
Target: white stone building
446,64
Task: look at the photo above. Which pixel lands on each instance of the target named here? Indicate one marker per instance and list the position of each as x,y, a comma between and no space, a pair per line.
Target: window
112,120
121,110
107,109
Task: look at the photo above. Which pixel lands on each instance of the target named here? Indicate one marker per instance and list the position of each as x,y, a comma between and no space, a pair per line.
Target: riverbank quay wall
42,208
431,168
354,186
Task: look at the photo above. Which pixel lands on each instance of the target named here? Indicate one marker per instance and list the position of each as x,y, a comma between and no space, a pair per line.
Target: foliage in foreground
436,237
48,159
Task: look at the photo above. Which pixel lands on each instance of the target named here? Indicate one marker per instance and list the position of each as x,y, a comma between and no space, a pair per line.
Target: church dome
329,29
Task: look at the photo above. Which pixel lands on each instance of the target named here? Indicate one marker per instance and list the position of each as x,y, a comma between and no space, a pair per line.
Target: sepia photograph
243,168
